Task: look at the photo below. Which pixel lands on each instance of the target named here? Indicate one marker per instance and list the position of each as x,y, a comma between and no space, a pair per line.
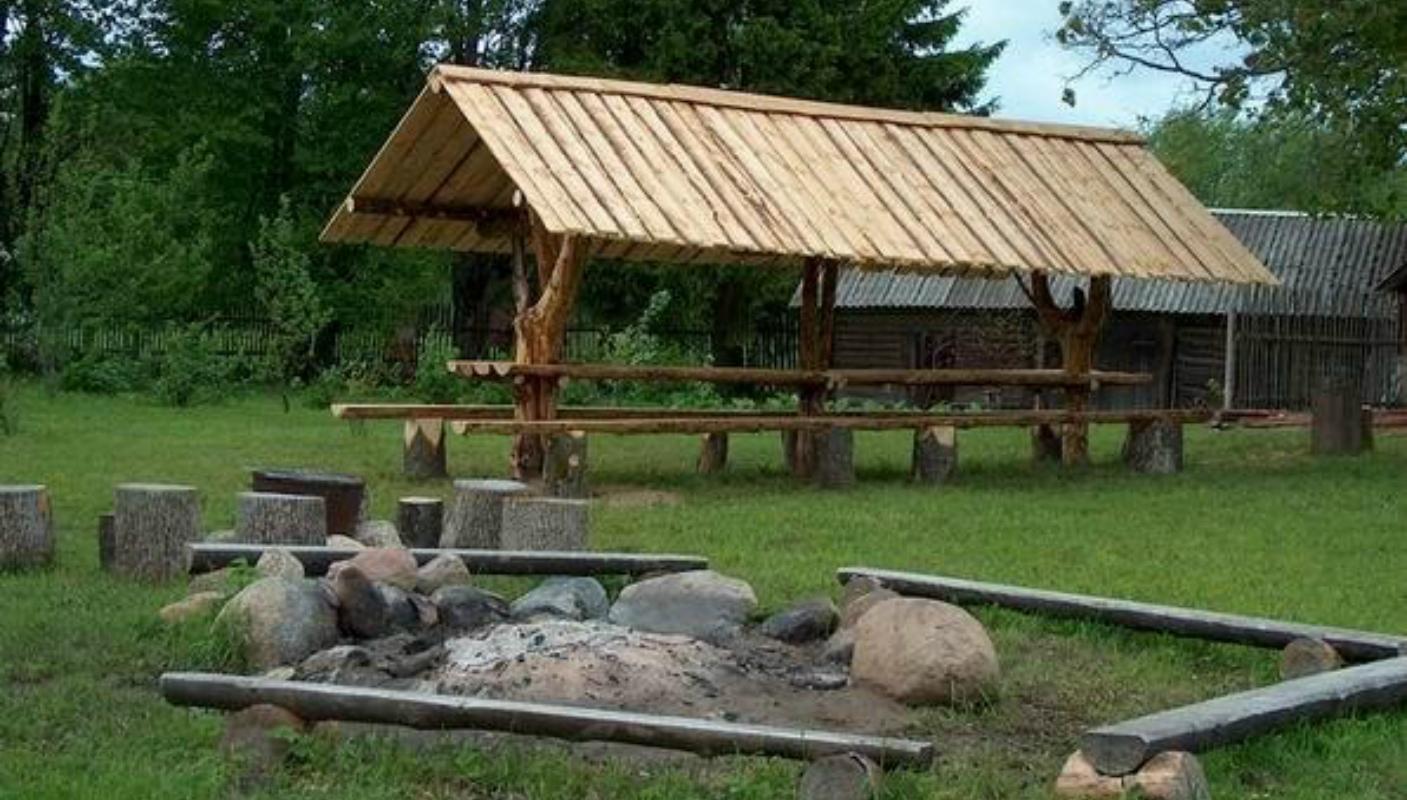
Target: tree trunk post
26,527
152,524
476,520
424,454
421,521
545,523
1077,329
270,518
1154,447
1045,445
713,453
935,455
834,453
564,469
1338,427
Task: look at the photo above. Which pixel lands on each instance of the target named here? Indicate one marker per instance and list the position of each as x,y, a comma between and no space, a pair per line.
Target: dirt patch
636,497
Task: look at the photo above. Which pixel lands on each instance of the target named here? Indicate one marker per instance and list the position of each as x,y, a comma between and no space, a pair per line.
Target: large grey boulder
702,604
278,562
923,652
441,571
392,565
569,598
467,608
280,621
362,609
378,533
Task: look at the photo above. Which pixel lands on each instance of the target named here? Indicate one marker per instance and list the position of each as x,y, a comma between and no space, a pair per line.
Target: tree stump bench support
545,523
270,518
833,455
345,498
152,524
424,456
26,527
421,521
713,453
1341,426
1154,447
935,455
564,465
476,518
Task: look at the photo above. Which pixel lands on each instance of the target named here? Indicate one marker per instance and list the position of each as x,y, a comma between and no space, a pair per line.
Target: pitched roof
1328,266
681,174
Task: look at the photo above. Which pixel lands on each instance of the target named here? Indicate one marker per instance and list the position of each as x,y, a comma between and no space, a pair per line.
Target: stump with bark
424,455
345,497
152,524
421,521
1045,445
799,453
1339,427
545,523
833,450
107,541
476,519
564,465
1154,447
26,527
935,454
269,518
713,453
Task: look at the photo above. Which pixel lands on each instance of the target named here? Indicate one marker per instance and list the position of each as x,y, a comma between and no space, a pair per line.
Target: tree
285,292
1340,61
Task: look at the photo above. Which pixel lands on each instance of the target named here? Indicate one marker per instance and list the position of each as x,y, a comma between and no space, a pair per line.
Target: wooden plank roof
686,174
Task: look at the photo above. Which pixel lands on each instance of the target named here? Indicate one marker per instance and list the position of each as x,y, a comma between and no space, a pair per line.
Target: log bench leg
833,453
935,455
1154,447
1045,445
564,466
1341,426
424,455
713,453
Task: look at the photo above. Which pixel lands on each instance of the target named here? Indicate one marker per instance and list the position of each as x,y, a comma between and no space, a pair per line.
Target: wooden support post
1228,387
525,461
935,456
1077,329
153,524
1045,445
801,450
713,453
269,518
564,467
26,527
834,454
424,455
421,521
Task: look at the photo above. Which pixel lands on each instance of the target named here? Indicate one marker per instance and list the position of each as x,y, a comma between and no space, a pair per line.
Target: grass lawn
1253,525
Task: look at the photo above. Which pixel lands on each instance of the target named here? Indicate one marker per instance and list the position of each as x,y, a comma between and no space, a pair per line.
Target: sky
1029,77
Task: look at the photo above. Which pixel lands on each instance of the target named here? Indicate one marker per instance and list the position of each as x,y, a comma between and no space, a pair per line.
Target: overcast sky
1029,77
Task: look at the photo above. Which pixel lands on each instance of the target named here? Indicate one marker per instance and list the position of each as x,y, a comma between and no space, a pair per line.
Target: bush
97,372
191,371
351,380
434,383
9,421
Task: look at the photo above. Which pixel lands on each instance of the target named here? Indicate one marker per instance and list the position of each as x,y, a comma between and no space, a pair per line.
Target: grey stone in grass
278,562
847,776
806,621
467,608
569,598
280,621
441,571
703,604
378,533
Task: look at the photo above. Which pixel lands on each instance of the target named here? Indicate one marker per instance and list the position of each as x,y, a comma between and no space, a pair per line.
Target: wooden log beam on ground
152,525
1187,622
319,702
1124,747
424,457
26,527
208,557
796,422
507,371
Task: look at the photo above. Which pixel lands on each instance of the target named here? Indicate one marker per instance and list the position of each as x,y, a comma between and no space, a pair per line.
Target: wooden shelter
578,168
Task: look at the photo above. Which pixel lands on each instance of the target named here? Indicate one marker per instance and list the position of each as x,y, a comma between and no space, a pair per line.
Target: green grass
1253,525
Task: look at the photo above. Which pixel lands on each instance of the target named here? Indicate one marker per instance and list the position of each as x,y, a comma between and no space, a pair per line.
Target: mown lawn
1253,525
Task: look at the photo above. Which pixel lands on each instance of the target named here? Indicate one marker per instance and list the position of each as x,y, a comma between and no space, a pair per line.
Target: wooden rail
798,422
833,378
317,702
351,411
207,557
1192,623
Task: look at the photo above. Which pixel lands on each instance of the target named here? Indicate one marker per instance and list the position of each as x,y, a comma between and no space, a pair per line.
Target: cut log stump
476,519
421,521
1304,657
545,523
345,497
269,518
26,527
152,524
564,465
1045,445
1168,776
424,455
833,451
799,453
1339,423
1154,447
107,541
935,455
713,453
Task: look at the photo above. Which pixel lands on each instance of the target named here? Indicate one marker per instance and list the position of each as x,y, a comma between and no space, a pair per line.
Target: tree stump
1338,427
847,776
545,523
1167,776
152,524
424,455
1304,657
1045,445
269,518
476,518
935,455
834,452
798,452
1154,447
107,541
713,453
345,497
421,521
564,465
26,527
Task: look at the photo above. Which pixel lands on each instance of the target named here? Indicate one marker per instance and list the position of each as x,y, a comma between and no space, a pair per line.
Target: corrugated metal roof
675,173
1328,266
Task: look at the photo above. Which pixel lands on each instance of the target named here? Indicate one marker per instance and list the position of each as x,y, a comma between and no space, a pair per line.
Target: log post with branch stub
816,347
1077,330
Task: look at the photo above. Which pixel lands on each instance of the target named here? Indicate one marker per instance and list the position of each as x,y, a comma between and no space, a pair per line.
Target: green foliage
99,372
9,417
285,293
191,371
434,383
